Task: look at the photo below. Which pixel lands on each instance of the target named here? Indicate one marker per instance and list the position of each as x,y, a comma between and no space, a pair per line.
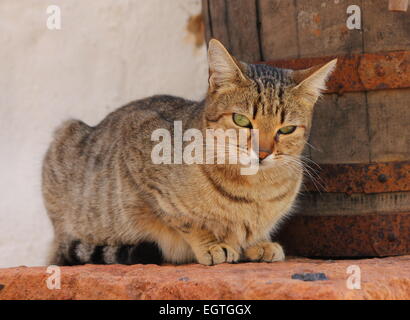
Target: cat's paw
216,254
265,252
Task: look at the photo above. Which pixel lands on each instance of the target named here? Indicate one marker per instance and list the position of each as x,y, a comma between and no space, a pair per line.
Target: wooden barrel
361,129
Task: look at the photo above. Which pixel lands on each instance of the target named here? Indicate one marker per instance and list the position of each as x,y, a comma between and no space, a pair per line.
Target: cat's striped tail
78,253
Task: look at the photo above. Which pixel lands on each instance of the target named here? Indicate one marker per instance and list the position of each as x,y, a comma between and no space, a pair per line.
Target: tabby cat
109,203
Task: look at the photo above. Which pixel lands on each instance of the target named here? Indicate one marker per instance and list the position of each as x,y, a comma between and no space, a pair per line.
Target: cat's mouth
252,158
269,162
272,161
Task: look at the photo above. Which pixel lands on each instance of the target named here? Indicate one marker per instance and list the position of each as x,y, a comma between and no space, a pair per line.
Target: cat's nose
263,155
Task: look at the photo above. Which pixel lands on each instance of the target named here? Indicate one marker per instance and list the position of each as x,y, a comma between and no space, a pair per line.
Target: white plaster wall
107,53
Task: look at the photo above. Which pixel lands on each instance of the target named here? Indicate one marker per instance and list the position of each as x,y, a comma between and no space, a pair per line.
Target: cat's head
277,102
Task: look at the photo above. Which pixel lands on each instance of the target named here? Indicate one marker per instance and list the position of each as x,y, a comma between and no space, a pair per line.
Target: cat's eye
287,130
241,120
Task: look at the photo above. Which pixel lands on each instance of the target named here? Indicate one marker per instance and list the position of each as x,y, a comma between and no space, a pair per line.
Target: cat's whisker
312,146
314,172
309,171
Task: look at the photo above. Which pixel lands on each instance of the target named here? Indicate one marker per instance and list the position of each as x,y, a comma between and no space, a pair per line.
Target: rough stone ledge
386,278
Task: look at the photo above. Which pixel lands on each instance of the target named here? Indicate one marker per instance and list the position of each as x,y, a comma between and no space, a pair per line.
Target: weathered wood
333,204
359,72
340,132
243,29
278,32
219,13
235,24
362,177
384,30
207,21
389,121
322,28
347,236
398,5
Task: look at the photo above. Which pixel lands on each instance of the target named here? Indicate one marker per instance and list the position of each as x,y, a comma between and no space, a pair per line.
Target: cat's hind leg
59,253
76,252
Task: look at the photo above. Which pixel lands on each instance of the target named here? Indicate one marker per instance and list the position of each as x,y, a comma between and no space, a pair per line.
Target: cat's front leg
265,251
215,254
208,251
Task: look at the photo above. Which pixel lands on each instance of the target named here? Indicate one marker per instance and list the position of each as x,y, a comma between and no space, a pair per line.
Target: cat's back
77,147
73,136
165,107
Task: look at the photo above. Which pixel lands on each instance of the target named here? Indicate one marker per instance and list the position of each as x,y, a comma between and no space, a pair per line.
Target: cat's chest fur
245,208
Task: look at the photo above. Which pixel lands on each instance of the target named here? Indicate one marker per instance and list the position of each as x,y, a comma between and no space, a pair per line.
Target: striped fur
110,204
78,253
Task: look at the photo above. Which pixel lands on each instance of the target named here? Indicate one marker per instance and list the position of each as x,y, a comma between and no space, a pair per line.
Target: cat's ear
310,83
224,70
